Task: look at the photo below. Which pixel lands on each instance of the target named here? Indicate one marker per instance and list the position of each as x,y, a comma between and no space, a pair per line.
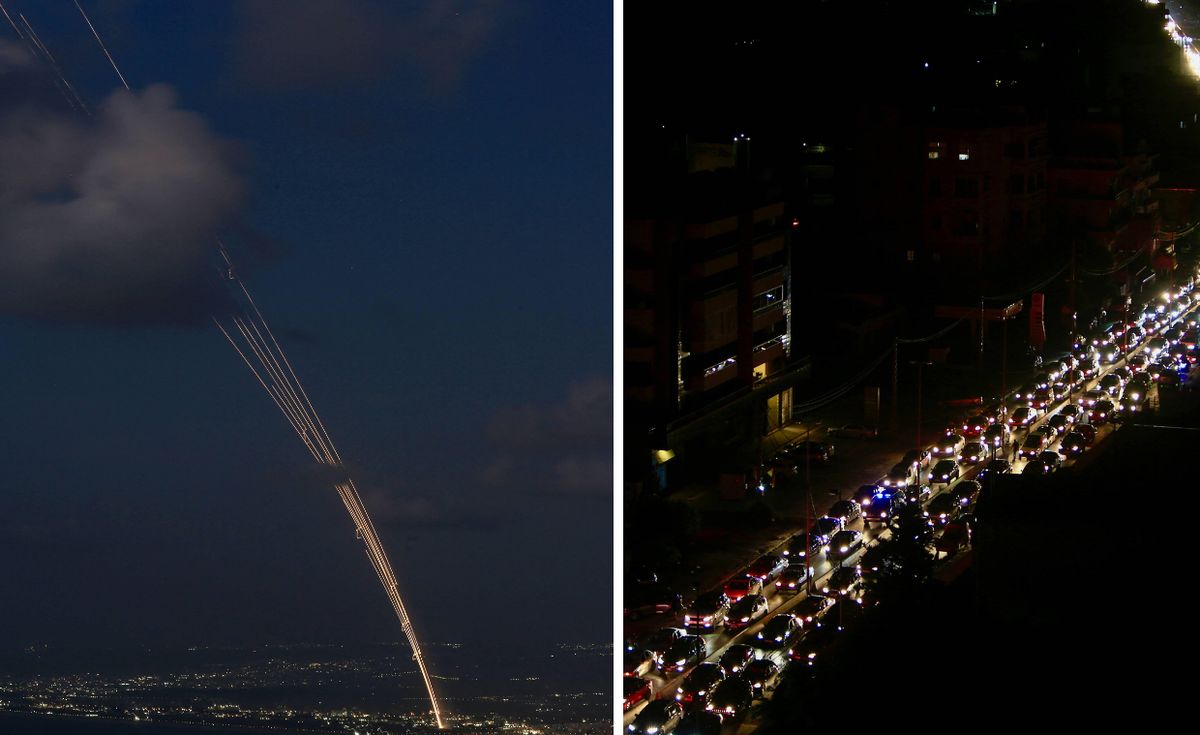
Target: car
1088,432
1072,412
949,445
1042,398
943,509
708,612
1047,430
767,568
825,527
844,543
1032,446
642,600
954,537
660,716
695,689
732,697
1137,363
1090,398
660,640
919,458
639,662
1111,384
945,471
736,657
793,578
805,651
1023,416
761,674
738,587
856,431
637,690
975,425
802,546
821,452
882,507
811,609
966,492
847,510
699,722
1072,444
1036,467
864,493
899,476
972,453
844,581
1155,346
1059,422
745,611
1101,412
996,435
779,631
993,468
918,494
684,654
1052,460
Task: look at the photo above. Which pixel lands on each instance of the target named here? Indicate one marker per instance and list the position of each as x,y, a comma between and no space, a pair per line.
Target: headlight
701,693
844,548
745,620
681,662
707,618
632,728
882,514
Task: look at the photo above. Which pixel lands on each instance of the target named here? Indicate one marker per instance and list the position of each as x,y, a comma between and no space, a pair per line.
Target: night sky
419,195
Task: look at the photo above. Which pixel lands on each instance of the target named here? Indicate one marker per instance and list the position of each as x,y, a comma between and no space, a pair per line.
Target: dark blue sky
422,207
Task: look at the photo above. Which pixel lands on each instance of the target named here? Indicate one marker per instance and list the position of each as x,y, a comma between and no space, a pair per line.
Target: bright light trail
288,394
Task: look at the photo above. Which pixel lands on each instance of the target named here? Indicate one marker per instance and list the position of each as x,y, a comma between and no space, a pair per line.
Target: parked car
856,431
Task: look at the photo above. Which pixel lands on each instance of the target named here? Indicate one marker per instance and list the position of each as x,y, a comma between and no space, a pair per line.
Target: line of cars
799,632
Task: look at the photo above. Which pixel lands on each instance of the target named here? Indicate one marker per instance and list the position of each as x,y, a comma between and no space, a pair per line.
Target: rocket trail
102,46
289,396
269,364
10,22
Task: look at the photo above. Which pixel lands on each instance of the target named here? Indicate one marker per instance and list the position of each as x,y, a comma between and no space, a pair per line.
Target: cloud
112,219
306,43
13,56
396,509
560,448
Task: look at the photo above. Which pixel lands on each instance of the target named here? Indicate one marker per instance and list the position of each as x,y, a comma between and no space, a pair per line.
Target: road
719,642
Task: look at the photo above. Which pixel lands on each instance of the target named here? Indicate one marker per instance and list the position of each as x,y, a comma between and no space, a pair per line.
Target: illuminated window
935,149
964,153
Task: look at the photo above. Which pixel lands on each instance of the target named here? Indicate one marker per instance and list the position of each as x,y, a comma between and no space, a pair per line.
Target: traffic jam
705,668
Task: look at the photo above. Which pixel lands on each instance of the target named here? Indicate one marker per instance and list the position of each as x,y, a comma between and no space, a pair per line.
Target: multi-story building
1098,193
707,310
984,185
